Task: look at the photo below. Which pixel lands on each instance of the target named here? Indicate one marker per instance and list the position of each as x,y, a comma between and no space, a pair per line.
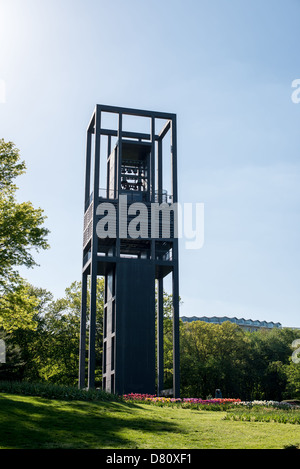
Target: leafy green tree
26,340
168,338
292,373
197,354
18,307
268,356
55,345
21,231
212,356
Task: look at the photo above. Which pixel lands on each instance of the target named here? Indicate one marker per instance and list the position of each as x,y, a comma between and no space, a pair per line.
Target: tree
212,356
196,355
292,373
21,227
31,340
167,336
21,231
51,352
18,307
269,353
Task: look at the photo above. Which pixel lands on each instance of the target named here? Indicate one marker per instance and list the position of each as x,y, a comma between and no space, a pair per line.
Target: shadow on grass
42,424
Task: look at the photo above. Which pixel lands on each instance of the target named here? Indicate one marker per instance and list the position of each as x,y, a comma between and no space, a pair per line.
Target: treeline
248,365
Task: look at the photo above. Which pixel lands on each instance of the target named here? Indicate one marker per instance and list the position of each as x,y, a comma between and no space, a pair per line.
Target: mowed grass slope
39,423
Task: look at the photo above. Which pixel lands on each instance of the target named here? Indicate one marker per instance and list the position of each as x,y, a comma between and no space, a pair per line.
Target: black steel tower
130,238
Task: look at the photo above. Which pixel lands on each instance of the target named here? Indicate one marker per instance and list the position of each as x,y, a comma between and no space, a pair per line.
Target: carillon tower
130,238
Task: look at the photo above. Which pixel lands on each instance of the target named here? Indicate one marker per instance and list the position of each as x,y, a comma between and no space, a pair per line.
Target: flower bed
266,404
266,411
195,403
154,398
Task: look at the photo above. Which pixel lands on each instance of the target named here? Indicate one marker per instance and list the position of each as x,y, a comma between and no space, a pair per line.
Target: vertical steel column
176,356
152,177
94,248
108,194
152,161
175,274
118,176
82,343
87,169
160,337
159,170
160,288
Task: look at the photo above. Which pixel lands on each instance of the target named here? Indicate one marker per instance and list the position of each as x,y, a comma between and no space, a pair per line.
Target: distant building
246,324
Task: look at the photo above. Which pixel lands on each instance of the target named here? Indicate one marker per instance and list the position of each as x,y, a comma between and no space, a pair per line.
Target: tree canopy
22,231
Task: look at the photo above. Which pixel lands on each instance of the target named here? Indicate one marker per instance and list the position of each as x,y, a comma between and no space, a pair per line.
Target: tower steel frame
129,300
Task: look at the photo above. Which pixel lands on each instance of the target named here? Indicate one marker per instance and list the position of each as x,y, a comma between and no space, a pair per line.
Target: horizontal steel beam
126,134
135,112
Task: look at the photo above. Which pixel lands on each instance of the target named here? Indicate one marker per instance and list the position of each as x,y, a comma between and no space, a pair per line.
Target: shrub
55,391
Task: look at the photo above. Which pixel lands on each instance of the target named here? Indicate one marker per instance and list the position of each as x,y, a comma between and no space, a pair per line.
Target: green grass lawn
39,423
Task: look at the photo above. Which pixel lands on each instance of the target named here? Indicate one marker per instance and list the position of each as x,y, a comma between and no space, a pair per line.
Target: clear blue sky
225,68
